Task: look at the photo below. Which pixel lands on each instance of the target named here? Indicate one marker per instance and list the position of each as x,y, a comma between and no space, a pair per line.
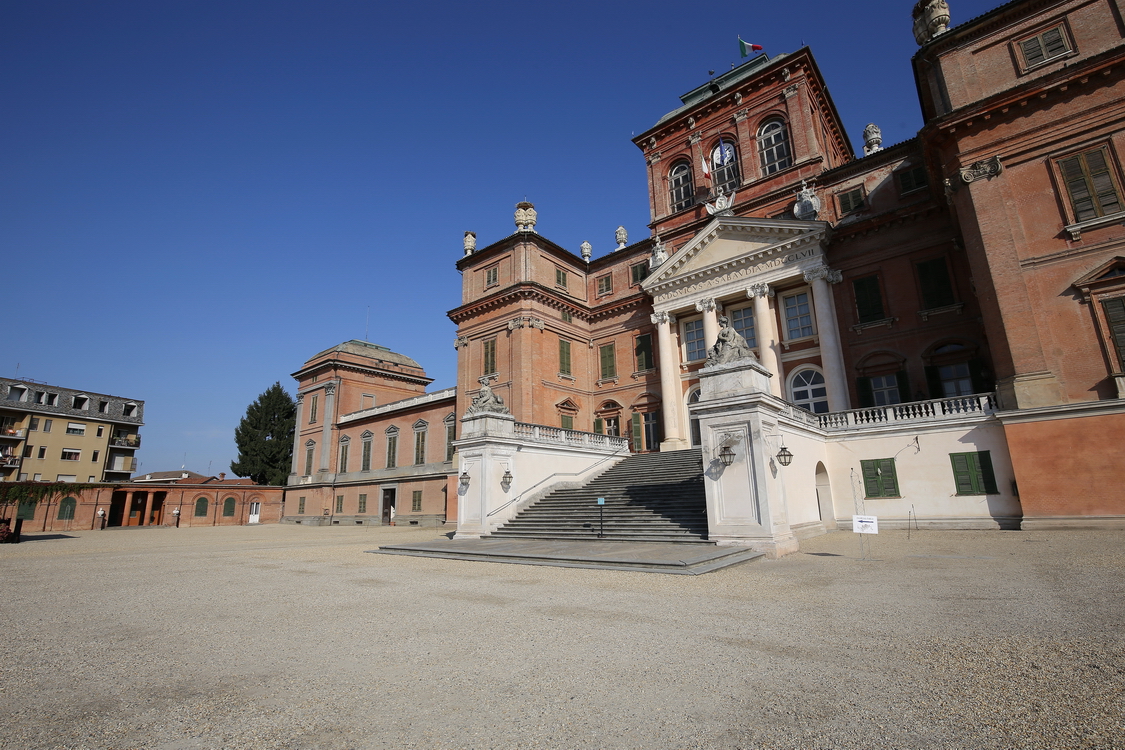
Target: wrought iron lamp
726,455
784,456
464,480
506,480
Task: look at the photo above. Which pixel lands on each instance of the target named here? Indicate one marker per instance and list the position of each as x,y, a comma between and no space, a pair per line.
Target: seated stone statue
730,346
486,401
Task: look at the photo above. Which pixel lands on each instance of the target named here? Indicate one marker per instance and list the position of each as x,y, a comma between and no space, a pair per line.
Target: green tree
265,438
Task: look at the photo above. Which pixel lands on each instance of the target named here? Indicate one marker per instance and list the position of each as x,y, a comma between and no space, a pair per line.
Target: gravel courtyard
294,637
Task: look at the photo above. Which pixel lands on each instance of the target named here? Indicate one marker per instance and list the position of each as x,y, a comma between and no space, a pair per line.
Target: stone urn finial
872,139
621,237
470,242
931,18
525,217
587,250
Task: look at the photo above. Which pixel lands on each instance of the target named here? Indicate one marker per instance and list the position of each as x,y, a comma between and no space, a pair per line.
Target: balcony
127,441
913,412
12,433
10,462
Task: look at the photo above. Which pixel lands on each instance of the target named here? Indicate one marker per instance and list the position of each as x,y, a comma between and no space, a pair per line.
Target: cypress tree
265,438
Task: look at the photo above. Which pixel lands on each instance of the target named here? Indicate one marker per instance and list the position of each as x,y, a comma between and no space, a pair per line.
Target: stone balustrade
934,410
560,436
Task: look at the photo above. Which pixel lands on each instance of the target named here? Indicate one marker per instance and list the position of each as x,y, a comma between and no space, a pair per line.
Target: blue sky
195,197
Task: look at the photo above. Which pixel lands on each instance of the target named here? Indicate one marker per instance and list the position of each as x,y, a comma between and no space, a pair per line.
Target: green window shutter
489,357
868,299
644,352
564,356
1102,182
228,507
366,460
986,474
903,386
26,511
888,477
608,361
866,395
871,487
201,508
567,422
599,426
1115,318
1054,43
66,509
964,472
638,433
937,291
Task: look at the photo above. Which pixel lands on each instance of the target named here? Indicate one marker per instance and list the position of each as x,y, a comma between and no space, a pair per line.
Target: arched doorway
824,498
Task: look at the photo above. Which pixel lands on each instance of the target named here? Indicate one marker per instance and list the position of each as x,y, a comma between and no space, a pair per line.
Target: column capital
760,289
300,398
661,318
330,388
823,272
707,305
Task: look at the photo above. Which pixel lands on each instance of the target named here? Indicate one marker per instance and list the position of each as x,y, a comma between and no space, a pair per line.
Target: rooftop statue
486,401
730,346
621,236
722,206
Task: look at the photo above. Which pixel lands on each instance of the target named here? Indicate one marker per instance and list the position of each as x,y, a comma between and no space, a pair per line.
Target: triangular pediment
733,242
1109,272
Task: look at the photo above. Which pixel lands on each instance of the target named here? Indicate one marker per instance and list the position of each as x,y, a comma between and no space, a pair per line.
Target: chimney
222,476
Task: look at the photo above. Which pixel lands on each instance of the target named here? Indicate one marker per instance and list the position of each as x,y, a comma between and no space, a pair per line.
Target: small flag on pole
706,167
746,48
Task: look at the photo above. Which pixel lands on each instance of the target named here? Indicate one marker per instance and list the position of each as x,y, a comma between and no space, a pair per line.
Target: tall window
809,391
66,508
1090,185
489,357
868,299
392,449
312,407
228,507
652,430
308,460
560,278
695,347
933,278
564,357
798,316
343,458
416,501
1115,318
339,503
492,276
300,505
696,433
773,147
201,507
643,350
608,360
742,321
879,478
724,167
365,460
419,446
973,474
638,272
450,436
605,284
681,187
362,503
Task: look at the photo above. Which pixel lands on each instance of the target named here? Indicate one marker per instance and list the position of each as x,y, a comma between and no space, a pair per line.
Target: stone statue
872,139
730,346
659,254
470,242
486,401
525,217
723,203
807,207
931,17
622,237
587,251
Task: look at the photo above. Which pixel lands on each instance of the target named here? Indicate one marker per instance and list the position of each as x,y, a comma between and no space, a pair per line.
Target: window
973,474
362,503
912,179
416,501
885,389
103,407
773,147
101,429
450,436
798,316
696,431
955,380
66,508
489,357
343,467
339,503
129,410
95,456
651,421
26,511
1115,319
308,460
201,507
1090,184
560,278
643,350
879,478
27,451
300,505
681,187
694,346
566,421
419,447
392,449
742,321
34,424
40,397
367,401
80,402
492,276
608,360
313,403
638,272
365,458
1042,47
809,392
567,316
868,299
47,424
724,167
75,428
605,284
564,357
16,393
52,399
71,454
42,452
228,508
66,478
937,290
851,200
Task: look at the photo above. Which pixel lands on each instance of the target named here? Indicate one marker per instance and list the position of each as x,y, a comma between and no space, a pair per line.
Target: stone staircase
649,497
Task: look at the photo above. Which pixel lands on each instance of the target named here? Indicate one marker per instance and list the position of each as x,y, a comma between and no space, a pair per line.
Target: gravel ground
293,637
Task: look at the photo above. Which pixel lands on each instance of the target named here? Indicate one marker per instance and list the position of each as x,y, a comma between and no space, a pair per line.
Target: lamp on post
784,456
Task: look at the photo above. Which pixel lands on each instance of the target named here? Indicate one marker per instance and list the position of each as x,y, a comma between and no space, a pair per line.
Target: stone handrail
934,410
561,436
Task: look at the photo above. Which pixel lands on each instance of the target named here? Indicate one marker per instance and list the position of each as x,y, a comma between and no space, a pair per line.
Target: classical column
326,431
765,330
669,381
297,436
831,354
710,312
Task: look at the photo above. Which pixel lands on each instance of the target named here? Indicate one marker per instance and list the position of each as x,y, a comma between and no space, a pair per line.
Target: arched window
808,391
66,508
228,507
696,433
201,508
681,186
724,167
773,147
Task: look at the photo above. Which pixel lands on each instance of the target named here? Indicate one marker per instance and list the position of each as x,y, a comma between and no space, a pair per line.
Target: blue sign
601,501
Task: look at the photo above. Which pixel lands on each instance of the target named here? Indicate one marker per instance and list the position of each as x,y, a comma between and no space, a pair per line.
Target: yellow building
54,434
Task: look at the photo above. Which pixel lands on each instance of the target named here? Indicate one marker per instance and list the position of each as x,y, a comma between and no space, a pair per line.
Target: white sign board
865,524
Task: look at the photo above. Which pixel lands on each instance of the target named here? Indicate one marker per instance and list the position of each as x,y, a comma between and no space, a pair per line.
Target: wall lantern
726,455
464,480
784,457
506,480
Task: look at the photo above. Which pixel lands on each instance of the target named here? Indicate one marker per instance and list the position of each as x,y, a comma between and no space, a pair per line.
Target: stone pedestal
746,500
485,450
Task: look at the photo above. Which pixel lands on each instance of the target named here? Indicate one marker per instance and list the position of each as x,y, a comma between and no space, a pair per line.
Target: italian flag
746,48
